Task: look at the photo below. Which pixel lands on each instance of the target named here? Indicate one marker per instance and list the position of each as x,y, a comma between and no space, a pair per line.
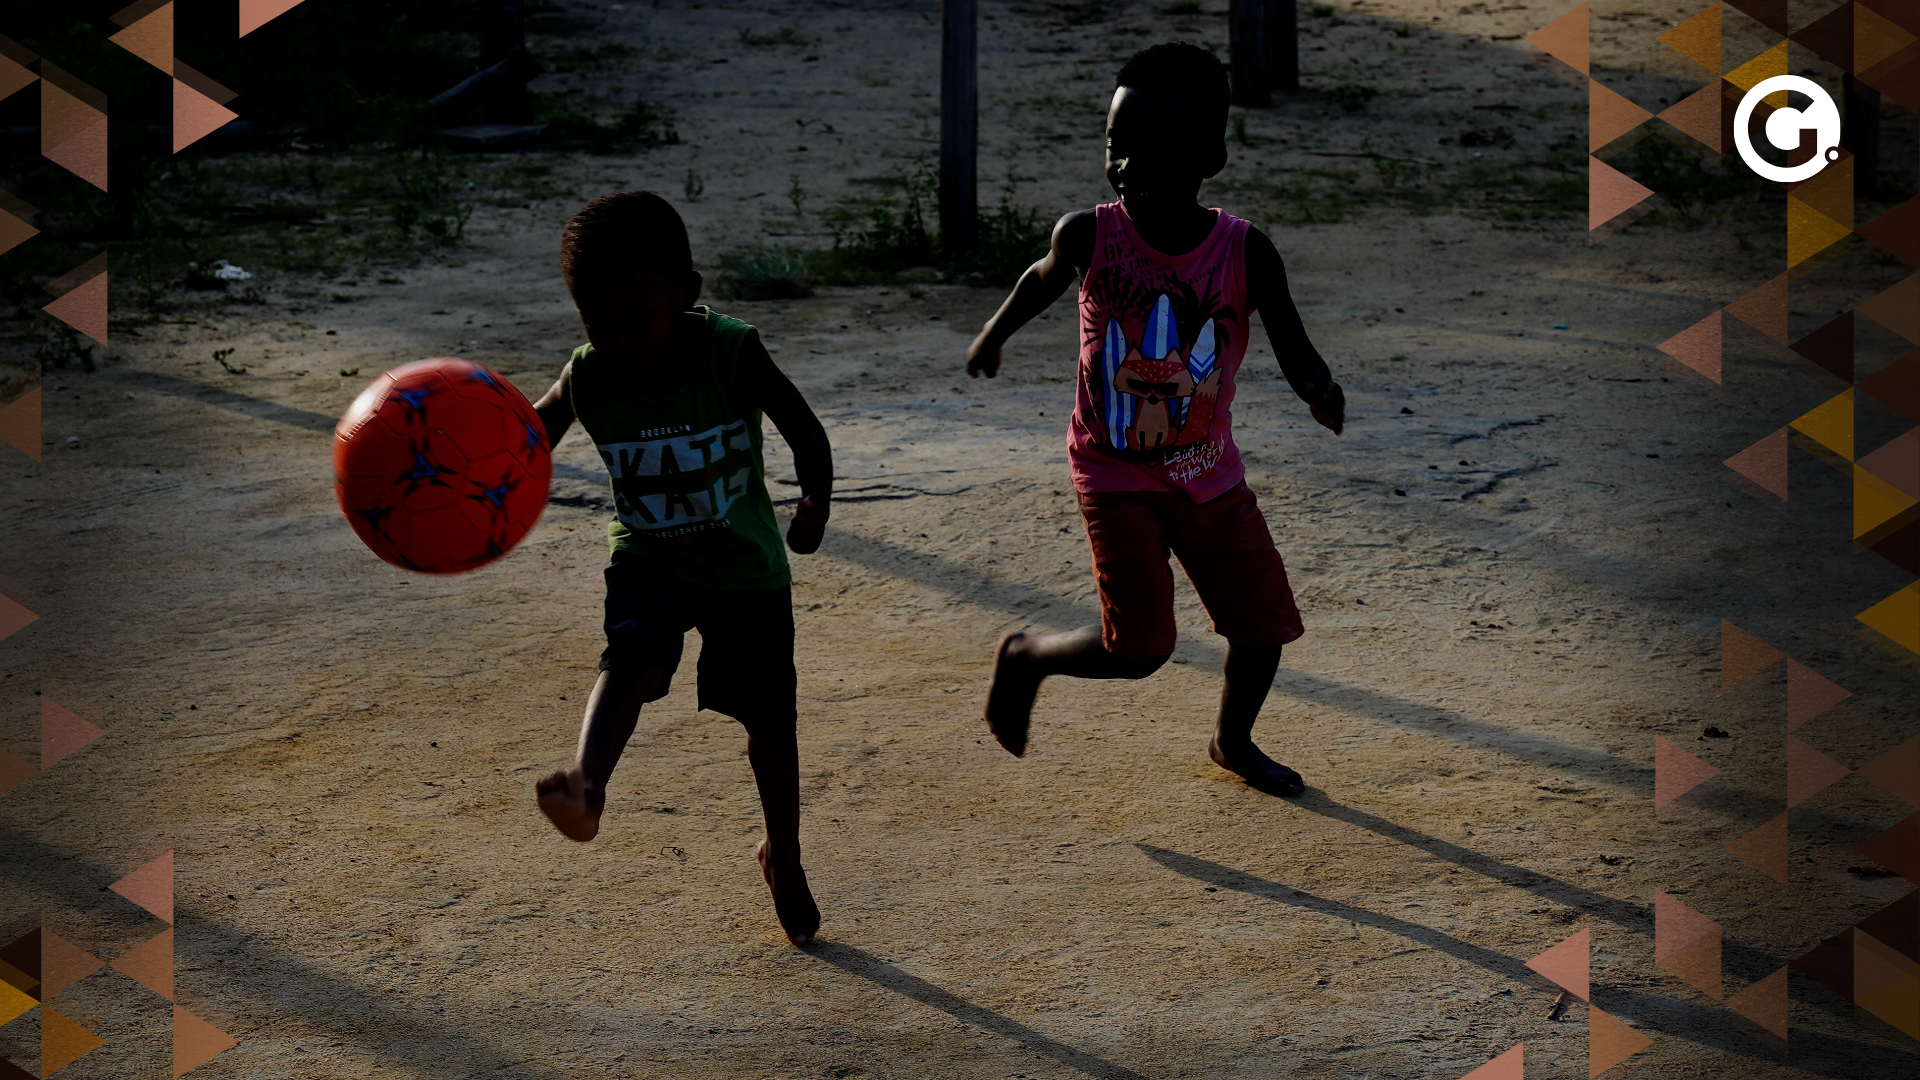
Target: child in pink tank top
1161,341
1168,290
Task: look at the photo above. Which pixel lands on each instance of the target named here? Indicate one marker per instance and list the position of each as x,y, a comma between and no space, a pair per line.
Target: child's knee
1139,667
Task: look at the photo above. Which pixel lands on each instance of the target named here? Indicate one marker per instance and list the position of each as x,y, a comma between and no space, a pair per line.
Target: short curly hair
1185,73
620,233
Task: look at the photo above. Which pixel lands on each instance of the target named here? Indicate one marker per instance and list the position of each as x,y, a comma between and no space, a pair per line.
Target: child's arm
1300,362
1038,288
556,408
769,388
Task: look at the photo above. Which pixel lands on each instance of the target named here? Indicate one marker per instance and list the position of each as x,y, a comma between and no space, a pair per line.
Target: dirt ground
1512,566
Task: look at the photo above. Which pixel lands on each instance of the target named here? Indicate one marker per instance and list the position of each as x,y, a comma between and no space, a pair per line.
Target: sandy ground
343,754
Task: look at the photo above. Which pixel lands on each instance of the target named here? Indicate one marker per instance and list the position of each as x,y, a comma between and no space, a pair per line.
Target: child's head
626,260
1167,127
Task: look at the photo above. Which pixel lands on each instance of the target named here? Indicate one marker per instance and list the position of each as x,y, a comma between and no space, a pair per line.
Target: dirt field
1512,566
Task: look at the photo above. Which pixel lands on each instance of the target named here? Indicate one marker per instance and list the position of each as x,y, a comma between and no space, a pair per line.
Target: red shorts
1225,548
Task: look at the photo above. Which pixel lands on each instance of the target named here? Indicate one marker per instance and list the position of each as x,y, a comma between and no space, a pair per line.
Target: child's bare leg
573,800
1250,673
775,758
1022,660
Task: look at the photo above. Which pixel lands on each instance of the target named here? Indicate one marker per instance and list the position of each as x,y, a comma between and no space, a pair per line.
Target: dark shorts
746,639
1226,550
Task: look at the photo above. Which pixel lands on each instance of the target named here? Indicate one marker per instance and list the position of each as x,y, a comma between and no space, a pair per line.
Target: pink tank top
1161,338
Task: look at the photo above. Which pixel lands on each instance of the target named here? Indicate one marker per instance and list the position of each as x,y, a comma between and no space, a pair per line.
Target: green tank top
689,486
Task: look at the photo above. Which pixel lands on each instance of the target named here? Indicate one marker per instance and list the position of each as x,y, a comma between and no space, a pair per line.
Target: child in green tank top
672,397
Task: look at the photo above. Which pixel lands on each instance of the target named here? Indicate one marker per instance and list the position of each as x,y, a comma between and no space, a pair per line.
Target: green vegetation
886,238
339,170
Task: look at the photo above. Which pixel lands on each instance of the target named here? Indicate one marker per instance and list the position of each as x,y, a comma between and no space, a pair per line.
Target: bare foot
571,804
1261,772
792,900
1010,696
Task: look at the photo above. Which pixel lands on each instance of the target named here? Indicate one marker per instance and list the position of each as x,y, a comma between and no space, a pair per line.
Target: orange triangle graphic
1809,693
1610,1042
151,886
1897,771
62,732
1765,309
150,39
1698,964
62,963
14,232
1698,39
257,13
62,1042
1809,772
20,429
1742,656
1898,617
1609,116
1565,38
13,772
14,78
1698,114
84,309
1676,926
1764,463
195,1042
1508,1066
1897,309
1675,772
195,116
62,116
1698,346
150,963
1610,193
1764,1003
1764,849
14,618
1567,964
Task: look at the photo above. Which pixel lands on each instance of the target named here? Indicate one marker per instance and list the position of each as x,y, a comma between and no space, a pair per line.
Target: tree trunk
1283,45
1247,49
959,125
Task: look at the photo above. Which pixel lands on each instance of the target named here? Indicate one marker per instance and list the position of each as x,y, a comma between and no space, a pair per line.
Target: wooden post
1860,131
1247,49
1283,45
959,125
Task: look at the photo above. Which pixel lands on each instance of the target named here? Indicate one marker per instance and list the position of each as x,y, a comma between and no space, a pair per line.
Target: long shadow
411,1038
855,961
992,593
998,594
222,398
1649,1013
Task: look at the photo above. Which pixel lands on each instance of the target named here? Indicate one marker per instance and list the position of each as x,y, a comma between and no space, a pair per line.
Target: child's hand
983,357
1329,406
809,526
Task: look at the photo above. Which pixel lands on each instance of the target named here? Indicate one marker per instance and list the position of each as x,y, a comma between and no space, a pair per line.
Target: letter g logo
1784,128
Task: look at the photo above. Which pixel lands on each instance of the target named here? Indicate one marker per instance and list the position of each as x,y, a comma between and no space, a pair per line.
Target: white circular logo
1784,128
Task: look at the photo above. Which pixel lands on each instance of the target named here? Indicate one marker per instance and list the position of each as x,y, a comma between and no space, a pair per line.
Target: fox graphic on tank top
1162,338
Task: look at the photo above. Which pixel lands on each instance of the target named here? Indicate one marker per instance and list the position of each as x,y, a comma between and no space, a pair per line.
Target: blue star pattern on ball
482,375
376,517
424,472
535,440
496,497
416,402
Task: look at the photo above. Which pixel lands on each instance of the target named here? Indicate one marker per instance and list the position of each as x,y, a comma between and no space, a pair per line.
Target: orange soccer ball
441,466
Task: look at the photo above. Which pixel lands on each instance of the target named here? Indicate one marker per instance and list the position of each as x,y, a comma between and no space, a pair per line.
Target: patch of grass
639,124
604,55
786,35
1352,97
887,238
64,345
